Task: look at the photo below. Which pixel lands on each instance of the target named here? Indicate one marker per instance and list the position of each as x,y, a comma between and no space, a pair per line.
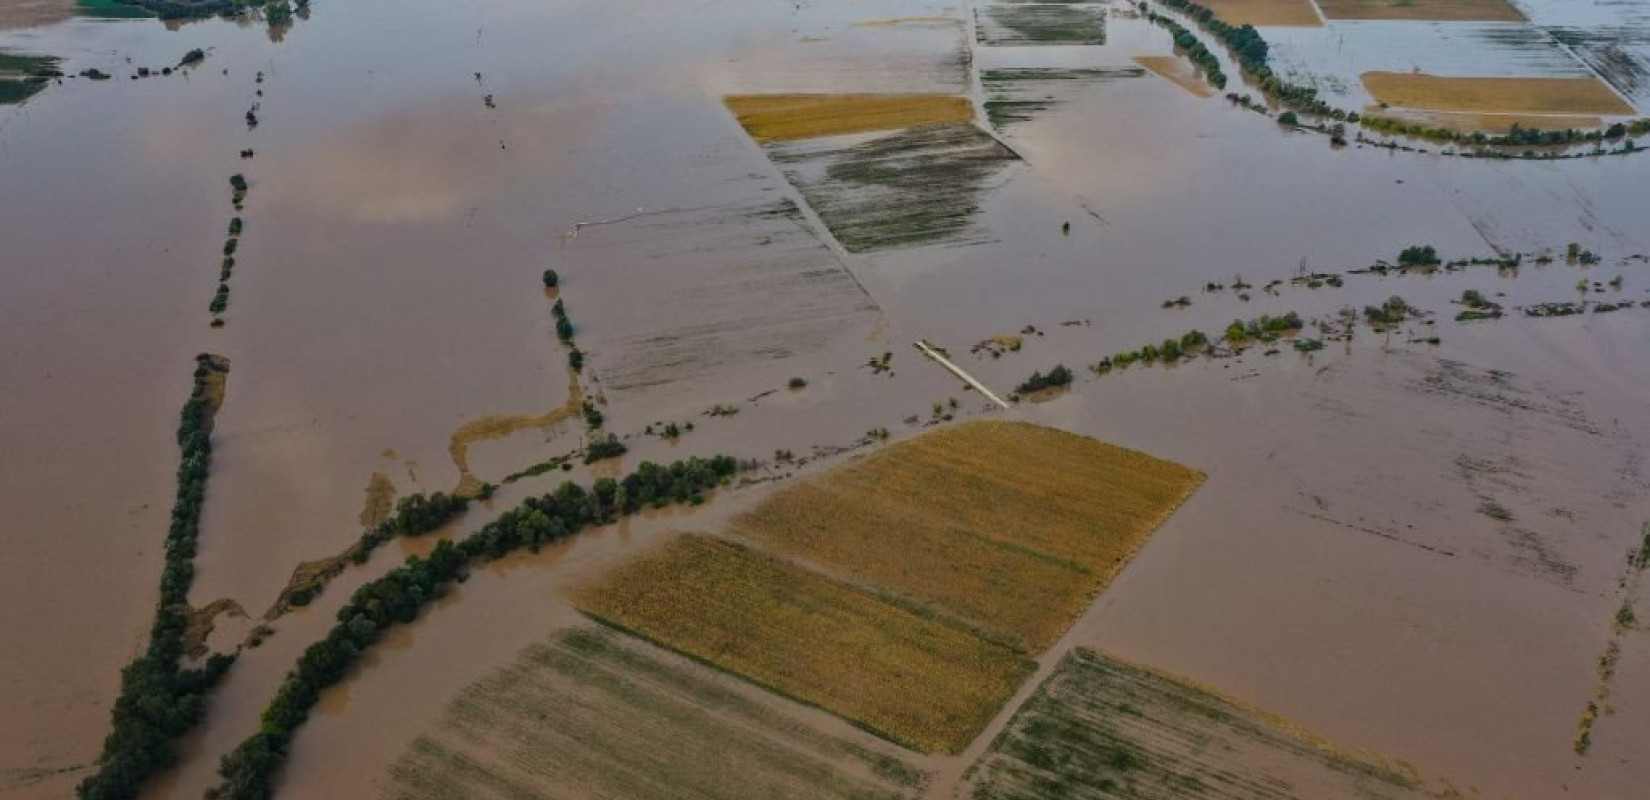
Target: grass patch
591,713
1103,728
902,675
1007,528
780,117
1438,93
1440,10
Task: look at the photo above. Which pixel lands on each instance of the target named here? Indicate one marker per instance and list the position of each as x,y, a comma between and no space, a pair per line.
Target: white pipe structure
929,351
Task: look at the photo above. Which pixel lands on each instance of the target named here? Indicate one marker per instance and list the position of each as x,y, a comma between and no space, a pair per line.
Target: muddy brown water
386,292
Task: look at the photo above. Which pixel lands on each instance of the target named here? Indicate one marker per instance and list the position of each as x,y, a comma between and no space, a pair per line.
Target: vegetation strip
1625,619
249,771
159,698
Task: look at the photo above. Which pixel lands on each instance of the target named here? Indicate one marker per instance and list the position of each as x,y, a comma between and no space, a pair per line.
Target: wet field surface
1410,541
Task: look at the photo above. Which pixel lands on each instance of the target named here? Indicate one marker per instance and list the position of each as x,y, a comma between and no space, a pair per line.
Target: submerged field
1439,93
1019,94
917,186
1104,728
910,678
590,713
1005,527
1041,24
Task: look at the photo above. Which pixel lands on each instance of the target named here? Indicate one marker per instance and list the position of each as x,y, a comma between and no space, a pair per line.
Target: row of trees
249,771
159,698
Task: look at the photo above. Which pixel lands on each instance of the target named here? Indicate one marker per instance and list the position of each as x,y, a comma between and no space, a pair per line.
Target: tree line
249,771
159,698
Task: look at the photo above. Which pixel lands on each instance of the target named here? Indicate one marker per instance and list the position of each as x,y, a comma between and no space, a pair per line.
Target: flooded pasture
1410,541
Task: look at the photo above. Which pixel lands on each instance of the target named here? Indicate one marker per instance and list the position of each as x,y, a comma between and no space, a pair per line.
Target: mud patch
914,187
380,501
591,713
499,426
1178,71
203,620
1102,728
1040,24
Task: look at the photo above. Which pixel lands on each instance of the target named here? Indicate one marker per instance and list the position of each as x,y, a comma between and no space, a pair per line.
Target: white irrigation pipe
958,371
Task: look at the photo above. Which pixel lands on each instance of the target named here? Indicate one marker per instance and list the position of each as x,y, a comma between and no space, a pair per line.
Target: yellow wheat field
1010,528
1285,13
1548,95
780,117
902,675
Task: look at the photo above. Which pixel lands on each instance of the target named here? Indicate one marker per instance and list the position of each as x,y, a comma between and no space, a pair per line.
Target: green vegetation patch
591,713
110,9
1040,24
1103,728
912,187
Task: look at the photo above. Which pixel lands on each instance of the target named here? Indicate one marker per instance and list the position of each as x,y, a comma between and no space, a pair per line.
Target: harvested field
1040,24
590,713
778,117
1017,94
902,675
1279,13
1007,528
1178,71
1472,122
1439,10
1438,93
745,284
913,187
1103,728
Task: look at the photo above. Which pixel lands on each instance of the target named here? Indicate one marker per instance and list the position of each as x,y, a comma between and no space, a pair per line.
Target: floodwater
419,163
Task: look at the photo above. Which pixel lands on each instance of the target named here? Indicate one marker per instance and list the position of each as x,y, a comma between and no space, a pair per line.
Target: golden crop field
1544,95
1281,13
1010,528
781,117
1437,10
905,676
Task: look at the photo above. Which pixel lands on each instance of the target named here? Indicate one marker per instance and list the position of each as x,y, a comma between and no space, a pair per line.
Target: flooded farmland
1425,473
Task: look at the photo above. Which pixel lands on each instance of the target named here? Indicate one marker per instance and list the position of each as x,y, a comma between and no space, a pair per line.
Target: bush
551,279
1059,376
796,383
1418,256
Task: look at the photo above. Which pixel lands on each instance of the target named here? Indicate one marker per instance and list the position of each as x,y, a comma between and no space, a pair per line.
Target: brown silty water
1345,565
